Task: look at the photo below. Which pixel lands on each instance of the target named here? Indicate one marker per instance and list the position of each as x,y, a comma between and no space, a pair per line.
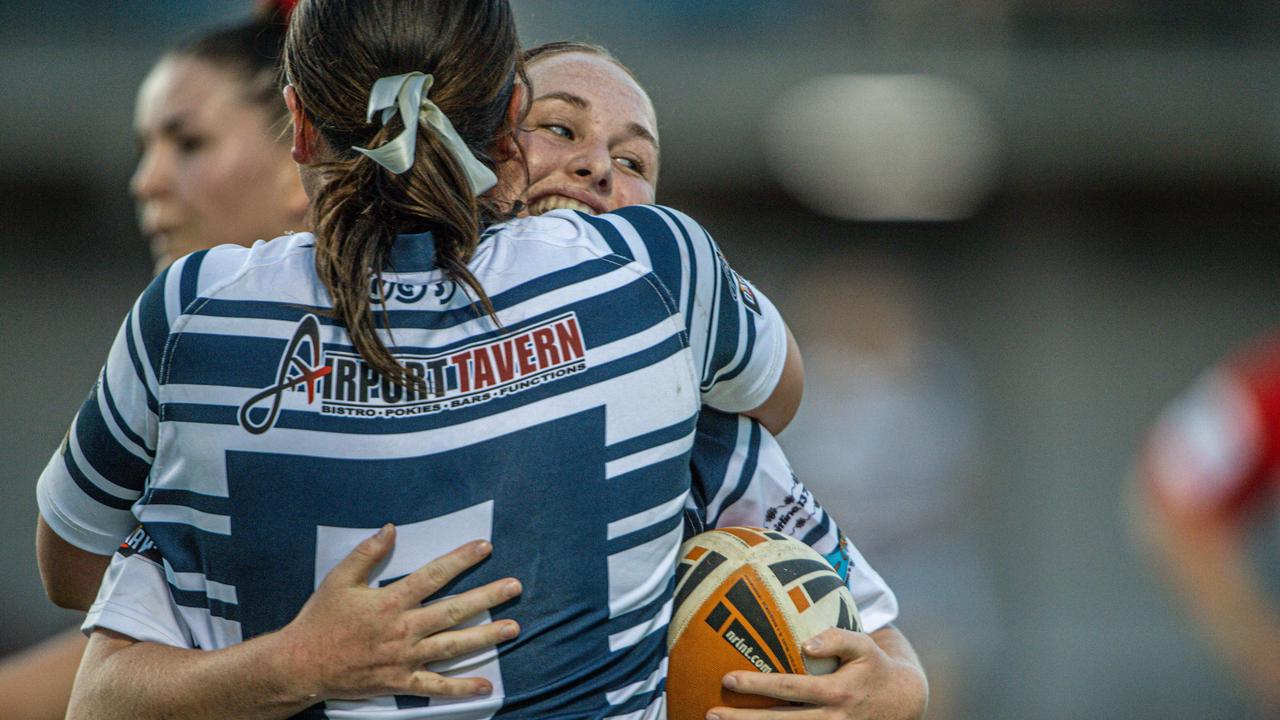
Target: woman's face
210,170
590,139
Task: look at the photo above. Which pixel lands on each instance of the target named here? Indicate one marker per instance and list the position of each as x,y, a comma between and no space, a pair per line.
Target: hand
351,641
869,683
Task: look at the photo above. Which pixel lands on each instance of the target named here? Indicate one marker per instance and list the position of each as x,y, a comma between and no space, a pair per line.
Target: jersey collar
412,252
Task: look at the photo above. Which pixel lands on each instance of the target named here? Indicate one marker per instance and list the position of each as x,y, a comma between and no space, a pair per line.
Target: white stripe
197,582
100,482
173,291
621,695
149,375
113,427
650,517
648,338
220,524
638,575
733,469
657,710
208,630
645,458
636,633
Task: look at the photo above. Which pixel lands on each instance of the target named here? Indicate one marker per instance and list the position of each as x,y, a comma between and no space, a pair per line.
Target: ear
305,135
505,148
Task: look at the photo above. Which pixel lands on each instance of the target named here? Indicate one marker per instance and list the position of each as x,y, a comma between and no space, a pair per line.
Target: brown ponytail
334,52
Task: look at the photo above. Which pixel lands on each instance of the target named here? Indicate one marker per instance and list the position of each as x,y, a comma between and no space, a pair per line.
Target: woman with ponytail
416,374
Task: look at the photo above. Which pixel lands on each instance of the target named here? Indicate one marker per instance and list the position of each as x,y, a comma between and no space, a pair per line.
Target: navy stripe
612,237
86,485
746,355
190,278
113,461
206,414
633,491
120,421
642,614
659,240
812,537
197,501
197,599
643,535
653,439
693,266
748,471
153,321
152,404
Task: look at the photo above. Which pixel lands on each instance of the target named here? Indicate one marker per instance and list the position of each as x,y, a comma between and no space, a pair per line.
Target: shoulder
280,266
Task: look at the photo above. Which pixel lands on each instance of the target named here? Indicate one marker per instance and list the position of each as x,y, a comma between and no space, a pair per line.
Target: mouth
556,201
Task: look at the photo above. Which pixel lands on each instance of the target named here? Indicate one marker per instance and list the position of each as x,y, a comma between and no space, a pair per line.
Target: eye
560,130
633,164
189,144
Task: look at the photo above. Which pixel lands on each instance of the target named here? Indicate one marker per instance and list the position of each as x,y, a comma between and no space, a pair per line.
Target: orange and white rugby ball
747,599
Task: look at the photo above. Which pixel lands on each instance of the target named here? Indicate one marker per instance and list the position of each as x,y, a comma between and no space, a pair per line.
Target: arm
70,575
36,683
777,412
349,641
1204,560
879,677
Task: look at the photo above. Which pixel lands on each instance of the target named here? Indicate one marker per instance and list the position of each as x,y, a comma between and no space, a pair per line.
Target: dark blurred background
1009,230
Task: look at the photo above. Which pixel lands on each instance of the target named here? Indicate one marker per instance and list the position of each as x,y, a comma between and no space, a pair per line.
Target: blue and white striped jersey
740,477
235,422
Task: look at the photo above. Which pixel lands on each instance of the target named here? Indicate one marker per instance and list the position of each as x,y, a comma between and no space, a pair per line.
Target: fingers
426,580
844,644
428,684
452,611
808,689
359,563
456,643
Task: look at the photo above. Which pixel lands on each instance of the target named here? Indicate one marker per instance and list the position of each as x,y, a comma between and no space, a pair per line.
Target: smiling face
591,137
210,170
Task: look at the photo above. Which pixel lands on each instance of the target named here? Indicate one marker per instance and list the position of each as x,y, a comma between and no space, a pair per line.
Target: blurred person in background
213,168
1210,465
890,444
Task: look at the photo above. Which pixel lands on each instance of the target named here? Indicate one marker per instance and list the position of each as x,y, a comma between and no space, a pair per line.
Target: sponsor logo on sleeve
341,383
139,543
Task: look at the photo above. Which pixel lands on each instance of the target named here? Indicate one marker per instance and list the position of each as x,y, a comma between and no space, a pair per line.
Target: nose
152,176
594,165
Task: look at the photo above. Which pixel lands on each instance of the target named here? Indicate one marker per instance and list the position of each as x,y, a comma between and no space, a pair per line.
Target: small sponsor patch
139,543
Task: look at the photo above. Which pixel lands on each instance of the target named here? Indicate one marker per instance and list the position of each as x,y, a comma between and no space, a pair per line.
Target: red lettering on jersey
524,354
570,339
504,360
462,361
544,343
484,376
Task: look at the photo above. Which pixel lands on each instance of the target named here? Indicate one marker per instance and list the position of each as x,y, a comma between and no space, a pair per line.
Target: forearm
36,682
70,575
123,678
907,690
1205,562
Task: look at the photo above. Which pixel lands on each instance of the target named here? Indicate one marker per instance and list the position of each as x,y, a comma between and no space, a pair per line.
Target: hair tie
407,95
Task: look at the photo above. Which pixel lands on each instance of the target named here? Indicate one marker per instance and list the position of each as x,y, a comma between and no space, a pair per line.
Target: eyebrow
633,129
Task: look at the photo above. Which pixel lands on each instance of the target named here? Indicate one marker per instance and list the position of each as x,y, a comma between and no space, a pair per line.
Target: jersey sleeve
134,598
1216,449
89,485
738,338
741,477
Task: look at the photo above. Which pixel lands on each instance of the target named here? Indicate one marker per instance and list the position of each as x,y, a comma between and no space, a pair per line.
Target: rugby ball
747,599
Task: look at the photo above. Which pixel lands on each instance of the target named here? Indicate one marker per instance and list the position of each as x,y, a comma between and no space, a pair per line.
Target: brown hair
251,52
334,52
564,47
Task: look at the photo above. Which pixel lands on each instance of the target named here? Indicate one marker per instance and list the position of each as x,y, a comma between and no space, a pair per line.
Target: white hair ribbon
407,95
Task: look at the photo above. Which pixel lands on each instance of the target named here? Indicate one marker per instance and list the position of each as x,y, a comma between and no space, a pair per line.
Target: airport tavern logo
340,383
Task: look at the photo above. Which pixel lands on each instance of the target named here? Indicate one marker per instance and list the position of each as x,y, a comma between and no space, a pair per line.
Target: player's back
234,418
562,437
